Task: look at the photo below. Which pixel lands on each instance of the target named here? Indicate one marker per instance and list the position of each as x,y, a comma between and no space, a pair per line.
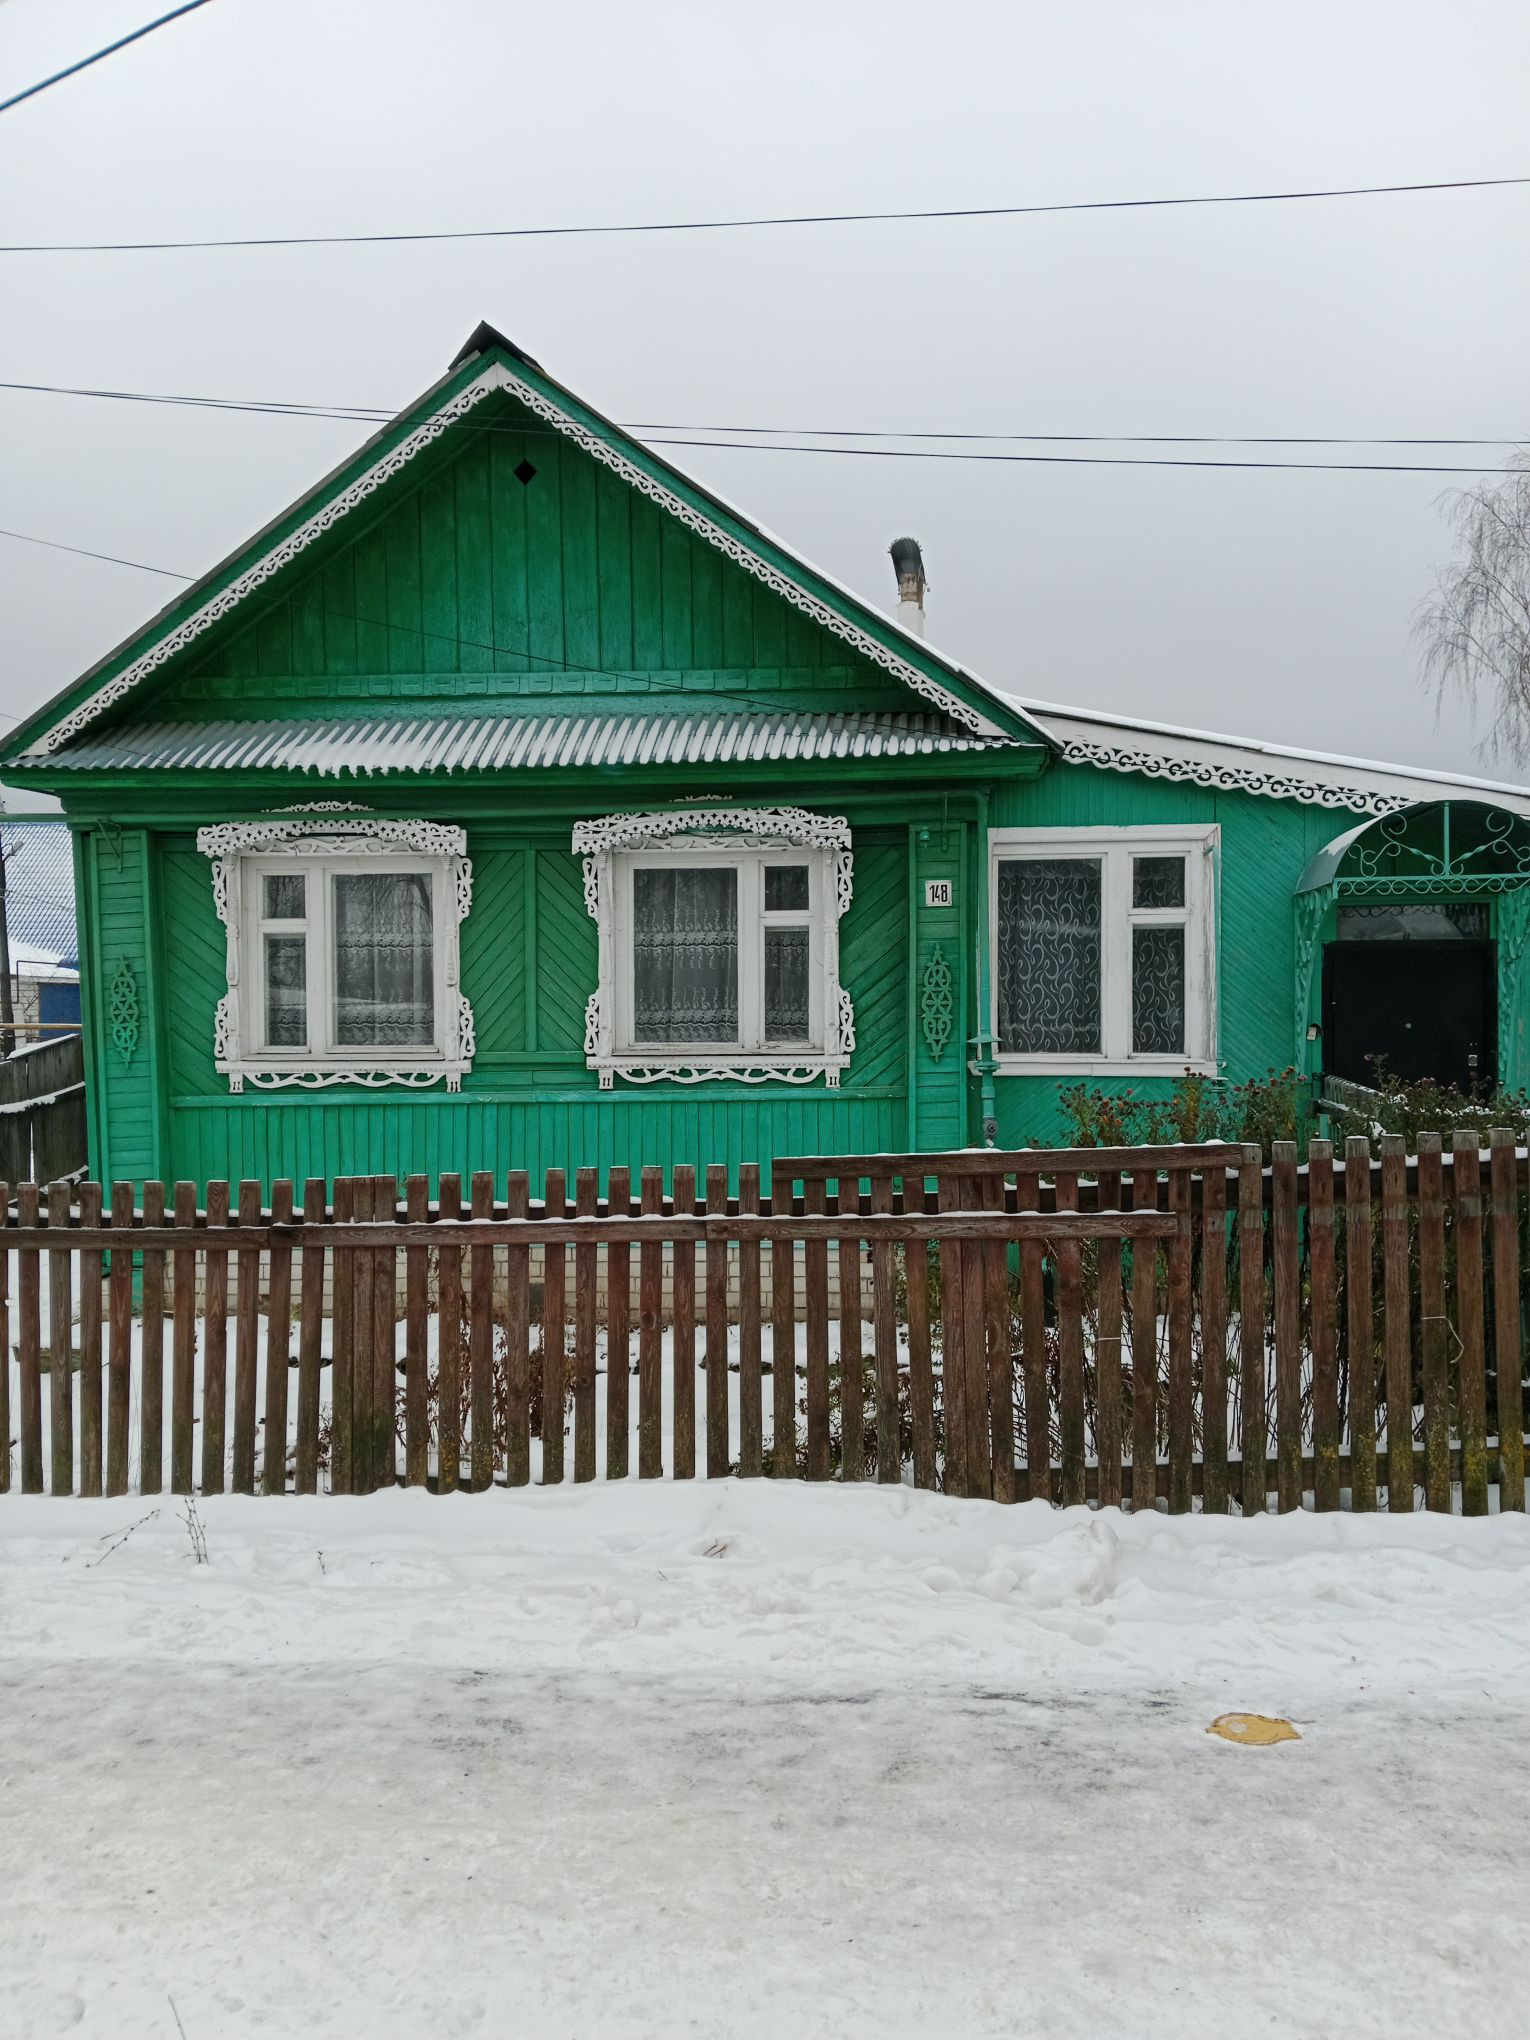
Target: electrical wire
375,414
57,545
667,437
258,613
85,63
1329,467
835,219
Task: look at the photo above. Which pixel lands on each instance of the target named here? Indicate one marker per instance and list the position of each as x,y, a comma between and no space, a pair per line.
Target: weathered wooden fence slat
852,1361
1360,1318
1323,1329
60,1358
884,1332
273,1478
751,1412
991,1406
1471,1414
718,1457
1285,1247
1399,1350
921,1375
618,1332
1065,1350
784,1339
650,1335
29,1351
683,1336
449,1342
91,1468
517,1339
554,1335
311,1340
481,1343
1213,1339
1434,1332
1509,1396
1033,1331
1144,1352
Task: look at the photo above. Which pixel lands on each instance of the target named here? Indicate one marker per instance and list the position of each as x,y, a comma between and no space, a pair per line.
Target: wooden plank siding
469,584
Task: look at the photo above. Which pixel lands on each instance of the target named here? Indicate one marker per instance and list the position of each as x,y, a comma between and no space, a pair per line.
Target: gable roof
487,364
1118,743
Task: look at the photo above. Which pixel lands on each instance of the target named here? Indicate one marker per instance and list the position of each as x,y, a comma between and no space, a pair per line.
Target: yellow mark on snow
1253,1729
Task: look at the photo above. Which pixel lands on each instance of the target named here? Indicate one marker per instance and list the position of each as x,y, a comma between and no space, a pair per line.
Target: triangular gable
491,364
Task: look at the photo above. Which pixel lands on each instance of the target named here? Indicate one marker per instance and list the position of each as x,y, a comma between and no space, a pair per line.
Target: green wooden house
512,801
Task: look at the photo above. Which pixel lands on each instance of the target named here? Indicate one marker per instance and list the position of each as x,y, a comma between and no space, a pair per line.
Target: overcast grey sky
1276,605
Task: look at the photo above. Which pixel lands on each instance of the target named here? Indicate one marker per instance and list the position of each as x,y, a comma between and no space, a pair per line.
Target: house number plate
939,892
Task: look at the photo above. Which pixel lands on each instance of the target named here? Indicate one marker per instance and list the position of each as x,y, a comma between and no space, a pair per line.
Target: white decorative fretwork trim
431,839
324,807
496,376
731,1073
1274,785
597,841
226,842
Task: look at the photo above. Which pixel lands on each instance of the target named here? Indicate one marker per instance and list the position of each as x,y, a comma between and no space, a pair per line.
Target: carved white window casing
721,923
343,952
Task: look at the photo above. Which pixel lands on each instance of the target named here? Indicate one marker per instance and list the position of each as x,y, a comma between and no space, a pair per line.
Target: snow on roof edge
1261,747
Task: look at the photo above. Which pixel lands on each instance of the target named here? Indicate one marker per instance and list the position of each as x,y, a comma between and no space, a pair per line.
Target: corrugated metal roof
499,743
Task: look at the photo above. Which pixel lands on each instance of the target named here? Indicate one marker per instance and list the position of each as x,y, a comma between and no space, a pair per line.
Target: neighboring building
514,802
40,924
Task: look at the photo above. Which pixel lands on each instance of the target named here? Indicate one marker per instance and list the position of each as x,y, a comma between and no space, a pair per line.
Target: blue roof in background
39,886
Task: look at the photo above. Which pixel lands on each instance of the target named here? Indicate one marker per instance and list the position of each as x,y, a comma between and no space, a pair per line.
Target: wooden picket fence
1130,1325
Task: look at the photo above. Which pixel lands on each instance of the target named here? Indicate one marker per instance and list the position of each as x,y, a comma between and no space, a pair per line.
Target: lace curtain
685,955
1158,991
384,968
1049,956
286,991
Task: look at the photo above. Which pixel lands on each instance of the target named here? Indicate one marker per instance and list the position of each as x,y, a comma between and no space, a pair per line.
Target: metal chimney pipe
908,565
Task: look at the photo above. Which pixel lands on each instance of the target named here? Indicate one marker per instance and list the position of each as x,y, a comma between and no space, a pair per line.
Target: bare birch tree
1474,630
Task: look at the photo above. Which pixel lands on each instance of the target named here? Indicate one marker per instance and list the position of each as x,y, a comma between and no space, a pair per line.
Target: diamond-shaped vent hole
525,473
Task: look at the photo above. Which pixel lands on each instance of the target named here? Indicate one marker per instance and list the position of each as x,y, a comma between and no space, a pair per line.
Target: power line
57,545
750,700
355,415
85,63
835,219
369,414
1316,467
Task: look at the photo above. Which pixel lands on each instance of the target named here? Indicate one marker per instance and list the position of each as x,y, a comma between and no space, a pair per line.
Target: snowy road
744,1761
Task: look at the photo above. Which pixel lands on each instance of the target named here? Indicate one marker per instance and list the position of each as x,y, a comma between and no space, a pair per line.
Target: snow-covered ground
749,1759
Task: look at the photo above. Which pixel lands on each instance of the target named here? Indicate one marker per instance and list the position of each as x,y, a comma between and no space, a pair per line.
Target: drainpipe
983,1064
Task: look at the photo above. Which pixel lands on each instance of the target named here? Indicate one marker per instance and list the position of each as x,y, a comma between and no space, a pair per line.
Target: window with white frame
342,953
719,945
1103,947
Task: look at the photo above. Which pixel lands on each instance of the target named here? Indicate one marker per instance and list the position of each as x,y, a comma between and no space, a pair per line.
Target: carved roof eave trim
496,376
1269,781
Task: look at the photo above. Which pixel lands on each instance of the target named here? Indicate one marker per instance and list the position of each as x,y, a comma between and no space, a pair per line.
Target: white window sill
1105,1066
319,1072
719,1065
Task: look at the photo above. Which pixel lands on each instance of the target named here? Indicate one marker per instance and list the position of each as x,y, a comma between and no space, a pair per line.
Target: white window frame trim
612,847
242,855
1201,844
